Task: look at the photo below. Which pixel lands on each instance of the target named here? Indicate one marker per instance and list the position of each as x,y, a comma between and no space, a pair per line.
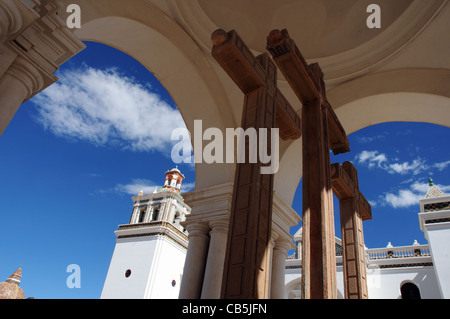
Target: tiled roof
433,191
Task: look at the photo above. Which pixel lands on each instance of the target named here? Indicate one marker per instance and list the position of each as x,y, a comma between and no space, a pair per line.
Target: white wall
381,283
439,238
168,266
386,283
154,262
137,255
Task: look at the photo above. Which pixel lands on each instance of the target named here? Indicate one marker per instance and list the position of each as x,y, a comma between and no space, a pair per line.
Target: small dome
10,288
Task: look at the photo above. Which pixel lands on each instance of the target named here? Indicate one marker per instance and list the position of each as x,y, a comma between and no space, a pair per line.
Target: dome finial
430,182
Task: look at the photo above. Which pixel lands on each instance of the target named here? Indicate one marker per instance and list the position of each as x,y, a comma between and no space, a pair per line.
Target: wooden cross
321,131
247,260
354,208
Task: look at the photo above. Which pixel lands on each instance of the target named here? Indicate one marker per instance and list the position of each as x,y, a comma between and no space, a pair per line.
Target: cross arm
307,83
250,73
344,187
237,60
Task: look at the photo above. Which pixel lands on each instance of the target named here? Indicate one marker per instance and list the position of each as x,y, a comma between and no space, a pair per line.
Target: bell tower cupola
174,178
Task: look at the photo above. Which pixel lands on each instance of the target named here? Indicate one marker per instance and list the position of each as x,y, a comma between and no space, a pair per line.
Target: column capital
28,74
219,225
15,16
283,246
210,203
197,229
47,40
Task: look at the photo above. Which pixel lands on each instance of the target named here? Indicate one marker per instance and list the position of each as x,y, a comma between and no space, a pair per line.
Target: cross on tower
321,131
247,260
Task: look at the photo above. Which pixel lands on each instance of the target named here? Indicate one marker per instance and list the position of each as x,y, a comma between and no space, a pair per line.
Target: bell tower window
141,216
155,214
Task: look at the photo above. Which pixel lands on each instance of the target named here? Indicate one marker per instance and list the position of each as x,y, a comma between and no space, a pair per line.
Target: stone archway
180,68
371,83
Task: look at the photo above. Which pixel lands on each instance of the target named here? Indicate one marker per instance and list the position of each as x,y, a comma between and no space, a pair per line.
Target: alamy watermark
250,144
74,279
74,19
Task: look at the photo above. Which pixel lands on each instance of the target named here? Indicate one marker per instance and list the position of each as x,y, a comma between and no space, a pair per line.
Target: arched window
141,216
176,219
155,214
410,291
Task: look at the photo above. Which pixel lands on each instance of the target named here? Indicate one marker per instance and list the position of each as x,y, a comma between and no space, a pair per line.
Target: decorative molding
15,16
372,54
25,72
211,203
152,229
341,67
47,41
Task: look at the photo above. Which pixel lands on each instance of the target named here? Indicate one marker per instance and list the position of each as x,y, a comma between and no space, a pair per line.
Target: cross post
247,260
321,131
354,208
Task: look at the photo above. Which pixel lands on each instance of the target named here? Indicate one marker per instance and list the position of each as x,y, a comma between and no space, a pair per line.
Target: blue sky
73,156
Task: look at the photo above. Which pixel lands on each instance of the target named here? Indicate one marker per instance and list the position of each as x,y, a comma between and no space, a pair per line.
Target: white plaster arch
406,95
293,288
161,45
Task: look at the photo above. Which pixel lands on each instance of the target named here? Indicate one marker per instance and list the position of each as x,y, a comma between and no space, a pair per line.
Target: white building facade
409,272
150,253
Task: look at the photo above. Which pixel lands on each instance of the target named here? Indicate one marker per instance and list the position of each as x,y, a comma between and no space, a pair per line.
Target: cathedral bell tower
148,259
174,178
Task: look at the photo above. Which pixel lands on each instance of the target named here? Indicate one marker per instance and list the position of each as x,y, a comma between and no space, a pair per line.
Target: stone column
212,283
18,84
194,266
148,214
41,41
14,17
278,268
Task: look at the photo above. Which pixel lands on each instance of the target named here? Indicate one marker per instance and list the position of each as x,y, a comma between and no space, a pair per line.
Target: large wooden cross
354,208
321,131
247,260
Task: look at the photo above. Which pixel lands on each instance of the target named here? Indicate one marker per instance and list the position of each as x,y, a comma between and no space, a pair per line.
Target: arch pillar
18,84
15,16
279,256
191,284
210,208
32,47
212,283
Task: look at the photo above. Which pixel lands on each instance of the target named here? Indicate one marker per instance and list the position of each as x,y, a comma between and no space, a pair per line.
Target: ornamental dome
10,288
173,181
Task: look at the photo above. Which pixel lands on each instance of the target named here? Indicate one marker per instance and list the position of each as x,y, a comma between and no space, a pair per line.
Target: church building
150,250
419,271
150,253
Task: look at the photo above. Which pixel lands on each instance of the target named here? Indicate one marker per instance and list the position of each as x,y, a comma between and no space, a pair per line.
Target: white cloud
372,203
136,185
410,197
187,187
441,166
415,167
370,139
107,108
376,159
421,188
404,198
371,158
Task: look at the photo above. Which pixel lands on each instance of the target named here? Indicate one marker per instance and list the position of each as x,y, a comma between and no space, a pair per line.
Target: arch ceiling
400,72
